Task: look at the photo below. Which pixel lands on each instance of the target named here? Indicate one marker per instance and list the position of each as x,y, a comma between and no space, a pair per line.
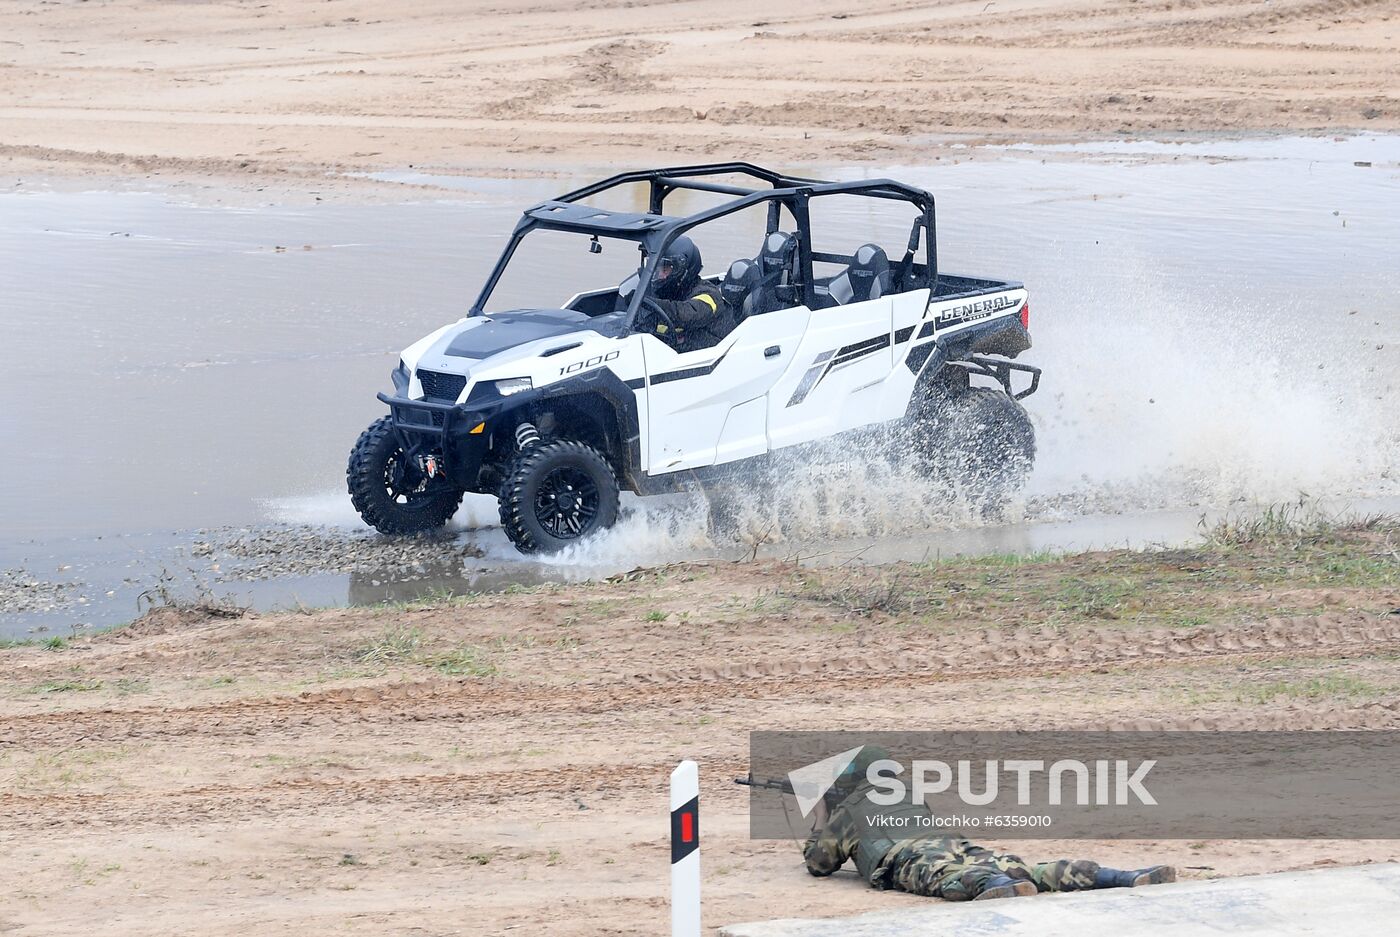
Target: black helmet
678,270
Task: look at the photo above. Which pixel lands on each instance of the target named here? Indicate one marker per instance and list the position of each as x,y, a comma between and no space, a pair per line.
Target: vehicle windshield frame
518,236
654,231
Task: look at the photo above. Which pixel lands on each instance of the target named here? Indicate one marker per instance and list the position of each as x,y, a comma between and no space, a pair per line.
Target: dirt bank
142,86
498,762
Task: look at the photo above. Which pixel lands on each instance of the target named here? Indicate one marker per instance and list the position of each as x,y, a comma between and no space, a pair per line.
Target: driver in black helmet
698,316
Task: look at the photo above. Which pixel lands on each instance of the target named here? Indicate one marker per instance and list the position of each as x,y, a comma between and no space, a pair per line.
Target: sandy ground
150,86
497,764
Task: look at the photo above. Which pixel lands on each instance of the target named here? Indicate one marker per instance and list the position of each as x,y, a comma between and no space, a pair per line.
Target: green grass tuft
467,661
67,686
1337,686
394,645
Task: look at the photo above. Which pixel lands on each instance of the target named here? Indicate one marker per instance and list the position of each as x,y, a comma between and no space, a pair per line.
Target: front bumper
460,432
424,417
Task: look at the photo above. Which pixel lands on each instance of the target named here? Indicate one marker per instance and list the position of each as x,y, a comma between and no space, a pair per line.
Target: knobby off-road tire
980,441
390,494
555,493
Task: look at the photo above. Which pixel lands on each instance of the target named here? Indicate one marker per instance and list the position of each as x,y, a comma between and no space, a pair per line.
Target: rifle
772,784
833,796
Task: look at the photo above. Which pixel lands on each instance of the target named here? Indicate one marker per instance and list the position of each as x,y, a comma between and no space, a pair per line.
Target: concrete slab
1321,901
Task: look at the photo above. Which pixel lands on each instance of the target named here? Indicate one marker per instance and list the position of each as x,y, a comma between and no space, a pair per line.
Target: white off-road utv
555,407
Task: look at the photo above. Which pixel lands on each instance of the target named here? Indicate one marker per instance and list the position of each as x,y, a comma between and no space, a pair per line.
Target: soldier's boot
1004,886
1132,878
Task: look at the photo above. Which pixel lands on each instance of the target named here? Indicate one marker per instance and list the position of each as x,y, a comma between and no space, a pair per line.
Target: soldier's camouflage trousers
957,870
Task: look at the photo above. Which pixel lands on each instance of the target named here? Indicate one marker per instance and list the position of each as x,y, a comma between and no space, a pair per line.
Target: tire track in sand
305,796
311,795
983,655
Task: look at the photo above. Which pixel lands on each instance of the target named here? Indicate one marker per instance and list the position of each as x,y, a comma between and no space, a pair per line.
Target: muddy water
1219,323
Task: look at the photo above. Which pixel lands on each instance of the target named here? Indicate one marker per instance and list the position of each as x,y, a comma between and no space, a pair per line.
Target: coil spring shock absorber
526,435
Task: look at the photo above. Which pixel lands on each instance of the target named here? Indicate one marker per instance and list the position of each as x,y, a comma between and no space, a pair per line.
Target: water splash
1173,402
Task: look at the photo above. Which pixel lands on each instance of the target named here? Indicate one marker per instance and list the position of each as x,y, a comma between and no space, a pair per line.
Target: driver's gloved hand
675,336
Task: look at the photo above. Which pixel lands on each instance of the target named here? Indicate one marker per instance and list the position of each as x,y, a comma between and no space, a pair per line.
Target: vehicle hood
503,331
504,345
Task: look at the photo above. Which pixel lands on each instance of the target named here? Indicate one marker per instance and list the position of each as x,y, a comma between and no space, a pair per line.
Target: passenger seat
775,262
740,288
867,278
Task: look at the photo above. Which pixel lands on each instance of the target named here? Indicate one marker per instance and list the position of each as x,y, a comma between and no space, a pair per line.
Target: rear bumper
1001,371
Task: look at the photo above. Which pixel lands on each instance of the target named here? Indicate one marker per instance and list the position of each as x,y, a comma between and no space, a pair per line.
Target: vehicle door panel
834,383
690,395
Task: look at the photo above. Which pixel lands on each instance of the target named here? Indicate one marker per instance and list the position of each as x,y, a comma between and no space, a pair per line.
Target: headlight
400,378
513,385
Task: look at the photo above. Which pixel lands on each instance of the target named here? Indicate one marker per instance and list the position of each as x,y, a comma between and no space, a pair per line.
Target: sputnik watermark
1101,785
1115,783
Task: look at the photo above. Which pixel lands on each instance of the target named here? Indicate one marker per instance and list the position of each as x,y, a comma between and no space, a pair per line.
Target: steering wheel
661,315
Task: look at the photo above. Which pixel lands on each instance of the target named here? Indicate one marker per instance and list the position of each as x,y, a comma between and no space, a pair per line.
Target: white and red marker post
685,850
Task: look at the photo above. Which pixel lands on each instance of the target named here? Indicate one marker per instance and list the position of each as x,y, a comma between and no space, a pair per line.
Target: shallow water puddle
1217,321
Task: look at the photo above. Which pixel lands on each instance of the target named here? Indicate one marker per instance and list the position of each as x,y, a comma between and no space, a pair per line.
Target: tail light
1026,315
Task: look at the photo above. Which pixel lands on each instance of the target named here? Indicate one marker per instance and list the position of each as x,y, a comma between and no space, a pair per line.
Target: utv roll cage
654,230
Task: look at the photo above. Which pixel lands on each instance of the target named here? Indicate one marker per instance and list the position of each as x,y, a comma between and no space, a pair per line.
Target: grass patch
866,595
434,597
393,646
67,686
770,602
405,646
605,608
343,673
48,644
1276,522
1186,620
470,661
1003,560
1090,598
1295,523
1335,686
1288,551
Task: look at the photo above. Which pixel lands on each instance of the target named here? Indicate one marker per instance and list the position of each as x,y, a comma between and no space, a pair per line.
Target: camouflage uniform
948,867
957,870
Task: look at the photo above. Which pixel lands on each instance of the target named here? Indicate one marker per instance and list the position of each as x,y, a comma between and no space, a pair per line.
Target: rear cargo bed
949,285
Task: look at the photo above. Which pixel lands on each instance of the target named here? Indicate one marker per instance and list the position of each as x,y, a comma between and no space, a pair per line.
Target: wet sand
282,94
